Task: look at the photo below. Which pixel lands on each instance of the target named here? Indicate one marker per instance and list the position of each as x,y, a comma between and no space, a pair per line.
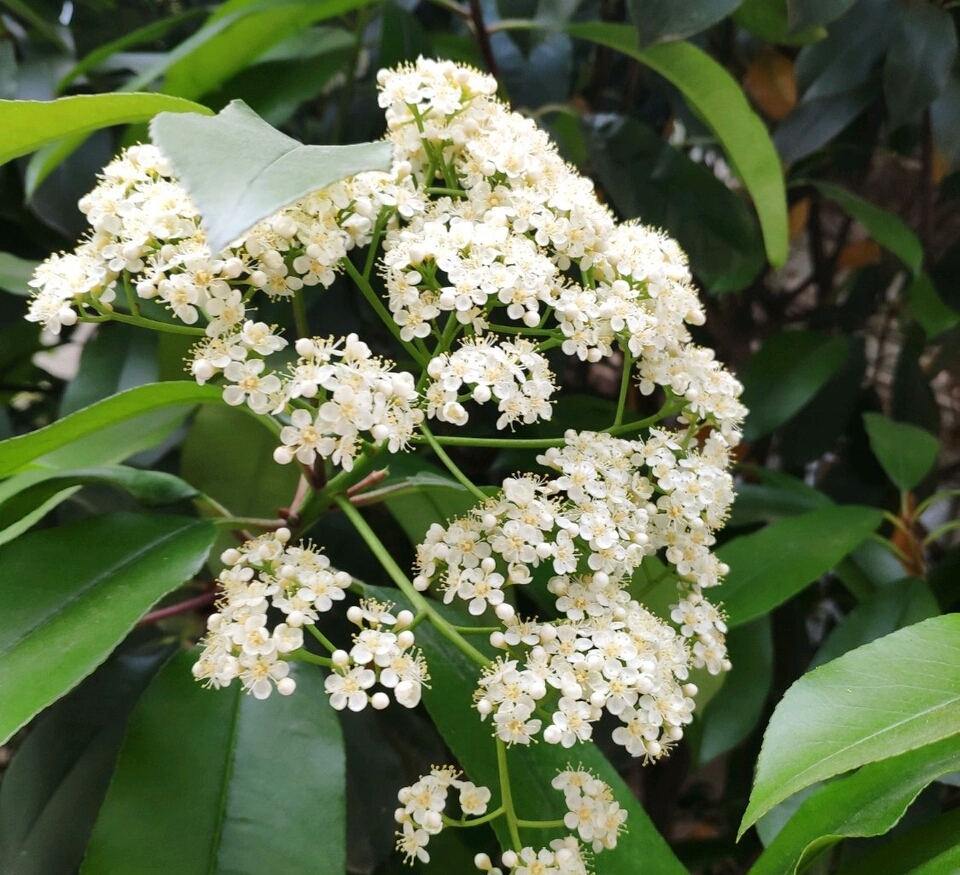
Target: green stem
522,329
495,443
373,299
507,795
889,545
405,586
490,815
306,656
477,630
452,192
450,464
132,302
540,824
300,314
897,522
624,388
938,533
326,642
933,499
382,220
247,522
143,322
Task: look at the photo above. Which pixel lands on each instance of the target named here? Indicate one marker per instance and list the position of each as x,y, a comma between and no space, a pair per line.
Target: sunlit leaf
894,695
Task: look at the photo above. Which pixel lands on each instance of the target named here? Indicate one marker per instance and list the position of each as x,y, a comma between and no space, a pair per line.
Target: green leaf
803,14
22,493
449,701
145,35
70,594
716,97
267,170
777,495
646,178
893,606
731,715
816,121
785,374
230,458
918,64
212,782
15,273
929,849
418,495
29,124
239,32
769,566
867,803
768,20
56,782
926,306
888,697
887,229
906,452
660,20
18,452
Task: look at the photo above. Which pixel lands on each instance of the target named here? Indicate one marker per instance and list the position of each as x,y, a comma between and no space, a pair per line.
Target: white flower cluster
592,813
513,372
423,805
146,236
516,235
589,529
382,651
358,395
263,573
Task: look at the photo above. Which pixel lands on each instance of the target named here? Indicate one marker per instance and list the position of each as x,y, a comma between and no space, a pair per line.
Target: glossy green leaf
661,20
777,495
867,803
56,782
267,170
768,20
212,782
906,452
815,122
893,606
731,715
29,124
926,306
929,849
891,696
785,374
803,14
23,493
887,229
770,566
18,452
918,64
646,178
70,594
449,701
15,273
250,29
155,30
229,457
716,97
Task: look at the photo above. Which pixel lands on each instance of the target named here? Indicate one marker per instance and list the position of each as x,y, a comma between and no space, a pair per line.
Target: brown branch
483,38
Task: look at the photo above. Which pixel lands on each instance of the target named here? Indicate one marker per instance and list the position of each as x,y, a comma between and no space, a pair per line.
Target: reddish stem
179,608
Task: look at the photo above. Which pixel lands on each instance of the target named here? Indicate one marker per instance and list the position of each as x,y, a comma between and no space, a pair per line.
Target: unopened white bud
484,707
305,347
548,633
355,615
498,640
505,611
690,690
296,618
282,534
483,862
283,455
340,658
531,318
405,639
510,858
404,618
286,686
552,734
230,556
421,583
380,701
